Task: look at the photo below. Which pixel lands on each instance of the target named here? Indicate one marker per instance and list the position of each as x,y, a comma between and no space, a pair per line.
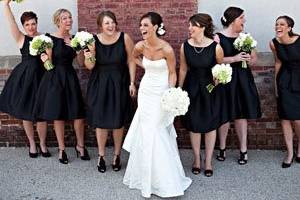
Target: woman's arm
182,68
219,54
137,52
15,31
277,65
171,62
131,64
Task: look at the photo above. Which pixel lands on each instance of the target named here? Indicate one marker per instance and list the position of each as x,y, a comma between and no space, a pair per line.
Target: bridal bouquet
175,101
245,43
81,41
221,72
38,45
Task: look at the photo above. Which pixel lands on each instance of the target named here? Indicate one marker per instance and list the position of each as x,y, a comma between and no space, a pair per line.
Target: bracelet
131,83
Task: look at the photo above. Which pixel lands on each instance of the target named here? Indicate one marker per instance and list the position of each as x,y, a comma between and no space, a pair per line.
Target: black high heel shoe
221,156
64,157
287,165
46,154
85,153
101,165
297,159
33,155
117,166
208,172
243,158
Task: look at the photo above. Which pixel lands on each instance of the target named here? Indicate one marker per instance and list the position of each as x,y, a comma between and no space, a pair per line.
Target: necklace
202,48
200,51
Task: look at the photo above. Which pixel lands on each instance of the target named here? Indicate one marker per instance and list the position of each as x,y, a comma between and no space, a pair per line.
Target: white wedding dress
154,165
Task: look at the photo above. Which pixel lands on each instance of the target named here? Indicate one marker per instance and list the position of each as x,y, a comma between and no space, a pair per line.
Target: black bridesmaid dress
19,93
108,99
241,93
59,96
288,80
203,113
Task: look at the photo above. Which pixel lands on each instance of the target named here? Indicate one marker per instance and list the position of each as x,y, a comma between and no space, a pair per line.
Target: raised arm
171,62
15,31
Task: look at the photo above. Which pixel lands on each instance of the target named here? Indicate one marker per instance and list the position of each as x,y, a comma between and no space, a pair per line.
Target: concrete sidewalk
262,178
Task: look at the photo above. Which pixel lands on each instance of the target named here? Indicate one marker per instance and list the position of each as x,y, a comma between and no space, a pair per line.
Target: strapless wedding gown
154,165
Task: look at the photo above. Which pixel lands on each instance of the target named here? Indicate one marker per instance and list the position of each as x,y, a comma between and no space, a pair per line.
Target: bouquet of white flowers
38,45
245,43
17,1
175,101
221,72
81,41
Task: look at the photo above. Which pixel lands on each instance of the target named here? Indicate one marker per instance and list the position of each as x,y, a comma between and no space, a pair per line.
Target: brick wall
264,133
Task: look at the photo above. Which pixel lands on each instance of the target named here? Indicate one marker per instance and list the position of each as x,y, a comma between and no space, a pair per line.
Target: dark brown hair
290,22
155,19
203,20
106,13
28,16
230,14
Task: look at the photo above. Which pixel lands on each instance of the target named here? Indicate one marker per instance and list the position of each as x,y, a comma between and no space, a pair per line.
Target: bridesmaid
18,95
110,85
286,49
197,56
241,93
59,96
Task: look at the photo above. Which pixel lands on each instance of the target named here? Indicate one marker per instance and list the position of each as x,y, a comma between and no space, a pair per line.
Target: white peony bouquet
38,45
245,43
175,101
222,73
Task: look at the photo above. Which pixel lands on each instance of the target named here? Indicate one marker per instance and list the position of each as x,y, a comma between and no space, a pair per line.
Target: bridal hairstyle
290,22
28,16
155,19
56,15
230,14
203,20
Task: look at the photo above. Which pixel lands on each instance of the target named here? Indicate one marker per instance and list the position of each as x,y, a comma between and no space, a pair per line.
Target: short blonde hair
57,14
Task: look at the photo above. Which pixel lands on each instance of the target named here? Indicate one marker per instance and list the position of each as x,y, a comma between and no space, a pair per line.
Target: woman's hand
132,90
242,57
216,81
44,57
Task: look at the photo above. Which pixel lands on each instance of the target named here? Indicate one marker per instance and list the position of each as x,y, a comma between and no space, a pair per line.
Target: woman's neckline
118,38
154,60
288,43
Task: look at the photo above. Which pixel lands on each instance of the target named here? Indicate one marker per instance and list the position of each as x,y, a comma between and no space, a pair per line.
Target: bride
154,165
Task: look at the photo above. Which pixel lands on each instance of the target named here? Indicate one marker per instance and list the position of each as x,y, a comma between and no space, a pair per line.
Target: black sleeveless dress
241,93
288,80
108,99
203,112
59,96
18,95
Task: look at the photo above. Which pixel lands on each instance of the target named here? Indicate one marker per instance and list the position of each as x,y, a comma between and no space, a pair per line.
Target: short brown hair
203,20
28,16
106,13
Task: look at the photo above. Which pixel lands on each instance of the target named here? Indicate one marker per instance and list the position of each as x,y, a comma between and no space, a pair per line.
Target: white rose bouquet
245,43
81,41
38,45
222,73
175,101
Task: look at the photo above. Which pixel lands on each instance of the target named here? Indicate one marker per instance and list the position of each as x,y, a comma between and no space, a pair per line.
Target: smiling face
238,23
147,29
30,27
108,26
195,31
282,28
65,21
